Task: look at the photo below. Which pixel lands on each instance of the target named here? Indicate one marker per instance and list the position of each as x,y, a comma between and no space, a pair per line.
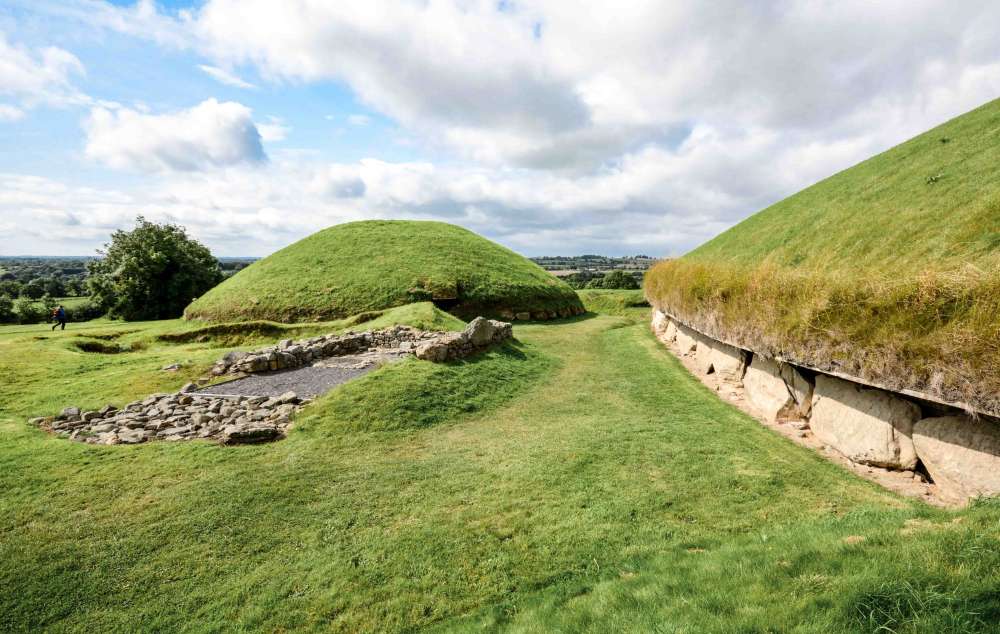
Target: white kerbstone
727,362
777,391
962,455
686,342
867,425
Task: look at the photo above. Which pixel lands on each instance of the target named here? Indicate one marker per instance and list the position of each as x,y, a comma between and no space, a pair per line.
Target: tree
34,289
6,309
11,288
151,272
54,287
614,279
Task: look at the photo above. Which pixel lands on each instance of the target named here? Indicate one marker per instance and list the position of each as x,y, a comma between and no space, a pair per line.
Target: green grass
372,265
878,271
576,480
614,302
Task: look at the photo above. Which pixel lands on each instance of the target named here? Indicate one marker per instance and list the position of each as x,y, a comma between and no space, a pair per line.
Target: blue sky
551,127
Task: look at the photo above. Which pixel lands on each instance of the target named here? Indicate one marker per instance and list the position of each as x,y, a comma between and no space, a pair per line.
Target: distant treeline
30,286
595,271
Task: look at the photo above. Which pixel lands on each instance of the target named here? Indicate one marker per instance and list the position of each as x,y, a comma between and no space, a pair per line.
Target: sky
553,127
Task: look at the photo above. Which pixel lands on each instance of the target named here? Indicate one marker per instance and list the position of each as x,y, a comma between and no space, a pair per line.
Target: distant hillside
371,265
889,270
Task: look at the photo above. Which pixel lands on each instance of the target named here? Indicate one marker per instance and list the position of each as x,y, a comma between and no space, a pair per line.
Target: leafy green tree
6,309
151,272
34,289
54,287
10,288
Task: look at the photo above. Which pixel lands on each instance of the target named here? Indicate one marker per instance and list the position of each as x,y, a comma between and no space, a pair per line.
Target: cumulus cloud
595,126
223,76
37,77
211,134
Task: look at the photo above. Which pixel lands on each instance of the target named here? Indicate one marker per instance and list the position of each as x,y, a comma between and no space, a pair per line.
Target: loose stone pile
188,415
180,416
432,346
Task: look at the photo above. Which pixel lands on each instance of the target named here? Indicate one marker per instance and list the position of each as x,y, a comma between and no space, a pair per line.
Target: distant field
889,270
577,479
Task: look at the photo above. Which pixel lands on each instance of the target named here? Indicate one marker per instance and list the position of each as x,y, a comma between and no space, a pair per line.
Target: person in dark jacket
59,316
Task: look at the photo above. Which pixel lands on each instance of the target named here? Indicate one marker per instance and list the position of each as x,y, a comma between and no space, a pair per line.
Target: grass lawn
578,479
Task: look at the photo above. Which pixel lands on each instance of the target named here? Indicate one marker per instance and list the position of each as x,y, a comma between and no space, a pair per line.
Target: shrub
28,311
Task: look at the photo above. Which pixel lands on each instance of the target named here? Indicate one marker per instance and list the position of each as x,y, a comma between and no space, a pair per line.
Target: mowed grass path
578,480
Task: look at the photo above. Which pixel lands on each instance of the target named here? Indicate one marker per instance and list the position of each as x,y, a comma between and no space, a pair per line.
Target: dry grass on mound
936,332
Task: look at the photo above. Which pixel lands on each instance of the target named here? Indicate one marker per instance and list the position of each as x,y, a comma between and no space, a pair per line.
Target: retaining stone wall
868,425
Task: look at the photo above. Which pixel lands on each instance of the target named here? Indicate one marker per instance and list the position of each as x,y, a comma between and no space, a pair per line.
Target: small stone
173,367
188,387
38,420
288,397
233,434
107,409
89,416
133,436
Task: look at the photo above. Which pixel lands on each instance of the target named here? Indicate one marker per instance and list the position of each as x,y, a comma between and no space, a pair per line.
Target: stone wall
187,415
867,425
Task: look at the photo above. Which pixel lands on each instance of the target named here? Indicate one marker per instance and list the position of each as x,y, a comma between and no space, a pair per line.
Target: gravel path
306,382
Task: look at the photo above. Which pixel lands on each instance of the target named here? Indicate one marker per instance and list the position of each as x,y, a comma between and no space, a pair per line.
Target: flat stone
133,436
868,426
234,434
687,344
727,362
962,455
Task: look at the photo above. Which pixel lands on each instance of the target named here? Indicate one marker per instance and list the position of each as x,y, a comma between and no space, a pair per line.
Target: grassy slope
579,479
881,216
874,271
370,265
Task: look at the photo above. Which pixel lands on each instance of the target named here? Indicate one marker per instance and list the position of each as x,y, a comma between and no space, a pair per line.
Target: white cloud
38,77
10,113
225,77
273,130
592,126
359,119
211,134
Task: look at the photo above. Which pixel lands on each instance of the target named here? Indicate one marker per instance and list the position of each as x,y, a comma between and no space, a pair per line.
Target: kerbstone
868,426
962,455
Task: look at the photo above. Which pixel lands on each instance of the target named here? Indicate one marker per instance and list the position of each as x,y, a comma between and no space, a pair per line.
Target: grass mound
889,270
613,302
372,265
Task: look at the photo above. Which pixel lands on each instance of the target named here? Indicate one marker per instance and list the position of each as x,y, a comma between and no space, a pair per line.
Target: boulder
867,425
660,323
962,455
480,331
778,391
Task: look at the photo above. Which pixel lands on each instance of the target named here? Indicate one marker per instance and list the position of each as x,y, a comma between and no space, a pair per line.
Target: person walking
59,316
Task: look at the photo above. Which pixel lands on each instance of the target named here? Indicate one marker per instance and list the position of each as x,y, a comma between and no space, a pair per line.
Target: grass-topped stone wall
888,271
372,265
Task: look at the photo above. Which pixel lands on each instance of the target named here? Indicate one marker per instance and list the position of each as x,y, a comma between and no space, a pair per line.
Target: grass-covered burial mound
371,265
889,271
